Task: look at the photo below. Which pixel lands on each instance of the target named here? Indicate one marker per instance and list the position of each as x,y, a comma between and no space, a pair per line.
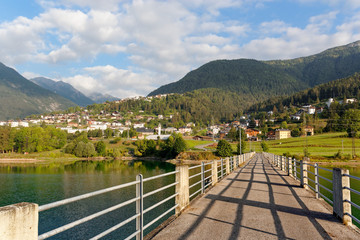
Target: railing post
305,173
341,195
202,177
19,221
227,166
317,189
182,188
222,168
214,171
290,167
139,207
295,168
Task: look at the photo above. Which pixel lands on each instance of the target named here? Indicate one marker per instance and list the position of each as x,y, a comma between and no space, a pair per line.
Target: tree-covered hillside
19,97
198,106
243,76
332,64
342,88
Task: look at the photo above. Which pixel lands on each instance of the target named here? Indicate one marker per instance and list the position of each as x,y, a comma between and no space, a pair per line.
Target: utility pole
240,138
353,145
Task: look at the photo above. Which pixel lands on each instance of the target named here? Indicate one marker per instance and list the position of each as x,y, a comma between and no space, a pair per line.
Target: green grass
319,146
191,144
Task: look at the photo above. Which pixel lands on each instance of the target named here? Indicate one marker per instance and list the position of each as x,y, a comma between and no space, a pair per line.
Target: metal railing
138,216
310,176
202,178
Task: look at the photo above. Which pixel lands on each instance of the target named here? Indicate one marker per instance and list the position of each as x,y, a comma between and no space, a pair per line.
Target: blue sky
128,48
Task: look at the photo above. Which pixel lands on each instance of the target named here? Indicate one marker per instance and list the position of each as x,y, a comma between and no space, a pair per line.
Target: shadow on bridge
262,168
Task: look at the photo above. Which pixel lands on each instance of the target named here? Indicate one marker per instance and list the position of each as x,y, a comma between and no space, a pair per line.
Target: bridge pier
182,188
19,221
341,195
227,166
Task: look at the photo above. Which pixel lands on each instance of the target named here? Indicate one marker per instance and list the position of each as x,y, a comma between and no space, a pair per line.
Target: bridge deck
257,201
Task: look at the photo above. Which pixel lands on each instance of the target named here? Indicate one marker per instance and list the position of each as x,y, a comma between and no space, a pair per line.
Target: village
120,124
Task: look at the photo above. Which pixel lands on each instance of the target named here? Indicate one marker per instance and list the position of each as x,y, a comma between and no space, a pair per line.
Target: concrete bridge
258,201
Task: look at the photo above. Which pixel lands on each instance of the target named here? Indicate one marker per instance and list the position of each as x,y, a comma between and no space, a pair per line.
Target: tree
264,146
179,145
101,148
243,146
224,149
351,120
283,125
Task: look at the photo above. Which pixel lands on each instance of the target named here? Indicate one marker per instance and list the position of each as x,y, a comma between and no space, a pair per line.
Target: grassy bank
320,147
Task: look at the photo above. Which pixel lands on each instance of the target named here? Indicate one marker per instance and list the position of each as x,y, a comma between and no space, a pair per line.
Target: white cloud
109,79
30,75
297,42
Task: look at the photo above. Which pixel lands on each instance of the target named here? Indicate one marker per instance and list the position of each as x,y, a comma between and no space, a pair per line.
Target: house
170,130
282,133
351,100
139,125
309,130
309,109
295,117
190,124
270,135
98,126
202,138
252,132
329,102
185,130
142,132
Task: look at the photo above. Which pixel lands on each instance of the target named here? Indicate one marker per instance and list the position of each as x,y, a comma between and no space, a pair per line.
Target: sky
129,48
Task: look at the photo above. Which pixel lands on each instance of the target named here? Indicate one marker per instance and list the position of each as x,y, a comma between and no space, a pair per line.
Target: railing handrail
84,196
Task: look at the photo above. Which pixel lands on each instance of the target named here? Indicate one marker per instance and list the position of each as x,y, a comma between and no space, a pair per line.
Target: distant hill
63,89
257,81
101,98
201,105
20,97
341,88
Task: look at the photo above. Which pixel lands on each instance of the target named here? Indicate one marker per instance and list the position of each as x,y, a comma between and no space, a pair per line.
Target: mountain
20,97
341,88
329,65
63,89
259,80
101,98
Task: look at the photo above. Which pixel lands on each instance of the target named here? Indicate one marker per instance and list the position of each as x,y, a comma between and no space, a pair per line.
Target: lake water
46,184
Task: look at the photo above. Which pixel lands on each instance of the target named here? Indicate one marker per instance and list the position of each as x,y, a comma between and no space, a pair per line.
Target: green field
323,146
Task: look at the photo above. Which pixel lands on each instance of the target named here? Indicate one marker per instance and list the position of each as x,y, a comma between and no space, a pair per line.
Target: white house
329,101
139,125
101,127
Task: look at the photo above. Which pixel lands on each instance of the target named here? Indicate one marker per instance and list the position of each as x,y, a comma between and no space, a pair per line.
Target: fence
333,185
189,183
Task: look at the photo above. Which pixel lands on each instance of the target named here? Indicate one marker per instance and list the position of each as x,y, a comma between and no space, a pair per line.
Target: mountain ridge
63,89
20,97
263,79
